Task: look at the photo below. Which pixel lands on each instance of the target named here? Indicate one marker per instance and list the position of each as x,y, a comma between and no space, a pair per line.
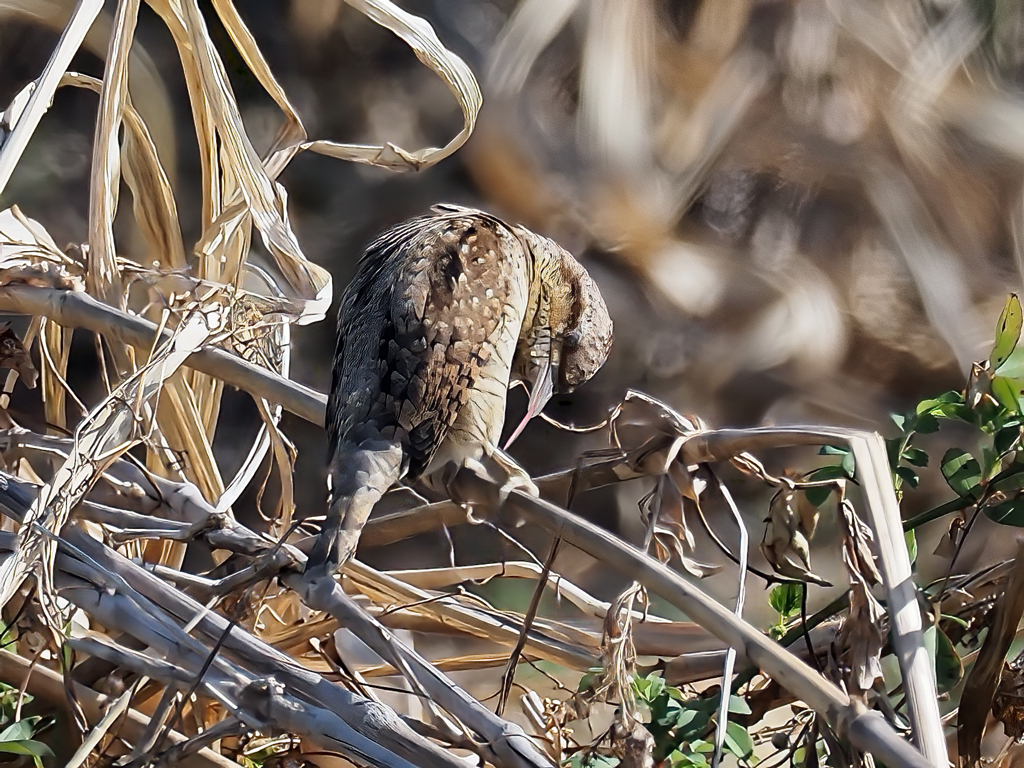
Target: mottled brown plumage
445,309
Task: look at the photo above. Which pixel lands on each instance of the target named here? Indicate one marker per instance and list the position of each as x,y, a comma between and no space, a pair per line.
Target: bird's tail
360,475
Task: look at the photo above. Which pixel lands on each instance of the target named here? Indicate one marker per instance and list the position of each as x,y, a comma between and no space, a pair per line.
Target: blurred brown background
798,211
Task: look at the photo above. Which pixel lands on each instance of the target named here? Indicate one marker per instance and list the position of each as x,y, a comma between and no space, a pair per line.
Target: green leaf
687,760
19,730
738,706
1011,320
952,397
669,715
948,405
911,541
819,495
849,466
26,747
587,759
991,415
691,723
915,456
785,599
1010,483
893,447
908,476
830,472
1007,438
949,670
1013,368
588,680
1007,513
738,741
648,688
832,450
961,470
899,420
655,687
926,423
989,462
705,704
1009,392
955,620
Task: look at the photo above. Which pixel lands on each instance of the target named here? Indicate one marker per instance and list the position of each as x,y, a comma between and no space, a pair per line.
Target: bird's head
580,326
567,332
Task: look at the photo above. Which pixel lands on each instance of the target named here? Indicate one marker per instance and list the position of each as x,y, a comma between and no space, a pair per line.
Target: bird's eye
571,340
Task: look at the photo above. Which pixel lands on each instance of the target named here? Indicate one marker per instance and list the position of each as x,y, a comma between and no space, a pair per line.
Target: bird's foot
524,484
502,470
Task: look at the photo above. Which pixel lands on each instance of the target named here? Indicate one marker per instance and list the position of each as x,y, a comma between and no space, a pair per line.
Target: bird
444,312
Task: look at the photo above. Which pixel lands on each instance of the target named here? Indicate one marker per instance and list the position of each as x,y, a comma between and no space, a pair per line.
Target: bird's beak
541,389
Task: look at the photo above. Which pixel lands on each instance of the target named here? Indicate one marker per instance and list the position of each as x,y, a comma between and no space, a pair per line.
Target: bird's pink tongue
541,391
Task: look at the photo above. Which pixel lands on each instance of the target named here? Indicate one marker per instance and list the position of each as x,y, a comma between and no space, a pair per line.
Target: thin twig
528,619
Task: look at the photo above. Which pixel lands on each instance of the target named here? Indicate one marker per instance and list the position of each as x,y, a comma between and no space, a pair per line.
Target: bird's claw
518,482
504,473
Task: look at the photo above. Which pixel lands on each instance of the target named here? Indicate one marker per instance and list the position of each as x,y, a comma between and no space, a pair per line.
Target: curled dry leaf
419,36
249,193
102,276
671,533
786,544
630,741
861,638
14,355
857,555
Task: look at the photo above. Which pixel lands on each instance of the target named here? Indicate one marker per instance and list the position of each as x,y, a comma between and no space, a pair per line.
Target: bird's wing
447,311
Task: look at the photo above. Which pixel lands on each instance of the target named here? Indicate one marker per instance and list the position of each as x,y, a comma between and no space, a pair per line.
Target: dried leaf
861,639
857,554
152,198
103,278
786,544
671,534
238,188
419,36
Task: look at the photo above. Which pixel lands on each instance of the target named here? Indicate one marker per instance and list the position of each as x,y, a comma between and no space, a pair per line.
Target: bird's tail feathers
360,475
